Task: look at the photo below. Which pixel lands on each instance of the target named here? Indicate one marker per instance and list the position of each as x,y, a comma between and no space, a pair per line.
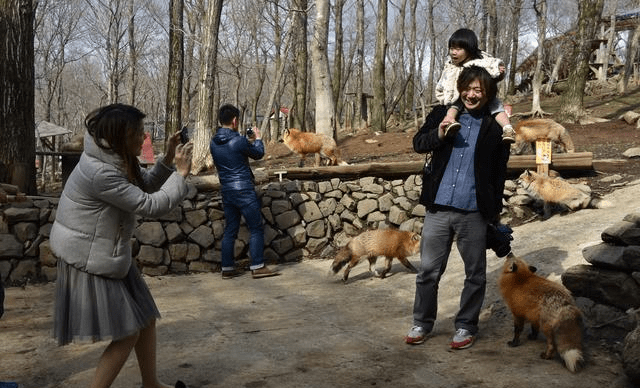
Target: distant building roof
46,129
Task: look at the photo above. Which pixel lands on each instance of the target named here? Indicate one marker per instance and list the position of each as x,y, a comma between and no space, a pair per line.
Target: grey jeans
438,233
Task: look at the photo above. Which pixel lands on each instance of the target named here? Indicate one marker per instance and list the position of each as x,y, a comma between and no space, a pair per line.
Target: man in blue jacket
231,152
462,190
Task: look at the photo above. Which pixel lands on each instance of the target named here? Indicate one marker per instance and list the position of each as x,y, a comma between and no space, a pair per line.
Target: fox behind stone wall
304,143
548,306
528,131
557,191
378,242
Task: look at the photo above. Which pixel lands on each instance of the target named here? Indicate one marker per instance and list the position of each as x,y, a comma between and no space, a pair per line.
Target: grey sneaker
508,134
451,130
462,339
416,335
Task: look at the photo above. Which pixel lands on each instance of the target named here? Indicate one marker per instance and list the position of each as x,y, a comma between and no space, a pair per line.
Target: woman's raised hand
183,153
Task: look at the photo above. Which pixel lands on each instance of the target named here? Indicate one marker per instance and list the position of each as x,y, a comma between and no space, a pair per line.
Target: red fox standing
528,131
304,143
373,243
548,306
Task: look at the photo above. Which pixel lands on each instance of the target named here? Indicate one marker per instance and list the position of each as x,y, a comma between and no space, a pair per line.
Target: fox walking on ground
304,143
528,131
559,192
548,306
379,242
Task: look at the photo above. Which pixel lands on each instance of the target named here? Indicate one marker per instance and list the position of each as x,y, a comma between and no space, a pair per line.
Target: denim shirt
458,186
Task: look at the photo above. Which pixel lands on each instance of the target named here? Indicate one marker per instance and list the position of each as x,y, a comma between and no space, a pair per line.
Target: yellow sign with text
543,151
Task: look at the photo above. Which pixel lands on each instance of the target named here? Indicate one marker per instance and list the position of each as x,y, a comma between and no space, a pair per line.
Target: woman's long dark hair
113,127
466,39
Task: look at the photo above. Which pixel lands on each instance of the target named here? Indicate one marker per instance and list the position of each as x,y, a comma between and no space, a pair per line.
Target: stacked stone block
302,219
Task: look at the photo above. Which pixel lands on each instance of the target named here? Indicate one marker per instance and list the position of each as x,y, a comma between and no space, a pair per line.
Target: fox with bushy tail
304,143
548,306
377,242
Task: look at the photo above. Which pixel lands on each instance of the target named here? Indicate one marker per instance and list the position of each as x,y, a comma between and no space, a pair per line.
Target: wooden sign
543,155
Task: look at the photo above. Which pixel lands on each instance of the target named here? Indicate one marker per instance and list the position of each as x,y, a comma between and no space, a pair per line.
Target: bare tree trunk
572,103
173,109
378,111
133,54
484,26
338,60
515,23
194,17
554,74
205,115
17,125
610,42
359,113
540,7
279,75
411,87
325,108
632,51
492,28
301,63
432,59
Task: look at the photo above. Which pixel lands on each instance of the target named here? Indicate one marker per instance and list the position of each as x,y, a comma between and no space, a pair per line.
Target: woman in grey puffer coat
100,293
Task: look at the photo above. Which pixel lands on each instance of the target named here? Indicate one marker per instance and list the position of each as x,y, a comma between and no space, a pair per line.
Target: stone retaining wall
302,219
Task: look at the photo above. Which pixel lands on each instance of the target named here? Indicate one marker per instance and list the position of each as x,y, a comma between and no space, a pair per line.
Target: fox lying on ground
547,306
304,143
558,191
373,243
528,131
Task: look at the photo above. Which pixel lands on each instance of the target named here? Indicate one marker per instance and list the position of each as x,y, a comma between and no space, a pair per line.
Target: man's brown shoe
232,273
263,272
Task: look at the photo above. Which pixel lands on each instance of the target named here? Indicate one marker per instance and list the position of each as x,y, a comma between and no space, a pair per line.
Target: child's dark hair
466,39
113,127
471,73
227,113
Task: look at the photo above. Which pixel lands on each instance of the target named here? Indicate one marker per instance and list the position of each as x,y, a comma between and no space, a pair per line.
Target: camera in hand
499,239
250,132
184,135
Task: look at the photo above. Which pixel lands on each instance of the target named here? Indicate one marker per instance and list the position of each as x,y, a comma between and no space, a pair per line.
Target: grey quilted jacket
95,219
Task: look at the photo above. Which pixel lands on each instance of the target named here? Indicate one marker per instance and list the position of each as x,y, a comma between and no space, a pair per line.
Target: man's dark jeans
245,203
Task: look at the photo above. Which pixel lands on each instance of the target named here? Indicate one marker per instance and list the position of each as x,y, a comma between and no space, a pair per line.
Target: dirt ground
306,328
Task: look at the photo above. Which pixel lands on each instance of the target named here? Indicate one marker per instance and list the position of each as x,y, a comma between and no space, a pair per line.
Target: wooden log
608,165
564,161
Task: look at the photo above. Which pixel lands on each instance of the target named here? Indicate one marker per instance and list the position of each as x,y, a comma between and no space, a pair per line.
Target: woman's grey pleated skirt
94,308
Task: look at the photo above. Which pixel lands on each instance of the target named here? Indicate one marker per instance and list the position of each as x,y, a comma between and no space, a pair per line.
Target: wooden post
543,155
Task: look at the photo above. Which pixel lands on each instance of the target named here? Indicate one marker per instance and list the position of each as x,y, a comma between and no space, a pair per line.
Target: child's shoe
451,130
508,134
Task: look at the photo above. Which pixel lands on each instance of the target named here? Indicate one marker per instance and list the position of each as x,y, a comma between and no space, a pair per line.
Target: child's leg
496,108
452,113
508,134
112,360
503,119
